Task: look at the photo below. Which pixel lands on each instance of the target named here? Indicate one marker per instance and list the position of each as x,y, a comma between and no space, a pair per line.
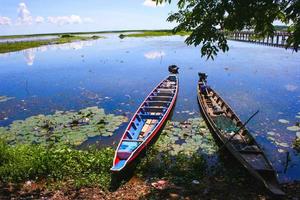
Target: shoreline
7,47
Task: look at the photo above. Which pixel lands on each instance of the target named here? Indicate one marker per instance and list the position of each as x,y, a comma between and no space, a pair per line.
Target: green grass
154,34
65,38
59,163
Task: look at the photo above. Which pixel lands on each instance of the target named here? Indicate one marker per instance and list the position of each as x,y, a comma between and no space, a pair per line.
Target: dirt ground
136,188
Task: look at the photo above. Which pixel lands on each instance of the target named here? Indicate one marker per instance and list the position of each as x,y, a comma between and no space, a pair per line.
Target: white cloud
39,19
25,18
72,19
5,21
150,3
154,54
62,20
24,15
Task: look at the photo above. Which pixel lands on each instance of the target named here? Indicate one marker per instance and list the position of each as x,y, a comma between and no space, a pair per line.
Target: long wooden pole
238,130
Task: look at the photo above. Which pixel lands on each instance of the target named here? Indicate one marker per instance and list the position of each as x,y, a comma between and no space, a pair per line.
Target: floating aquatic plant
71,128
293,128
271,133
193,135
283,121
5,98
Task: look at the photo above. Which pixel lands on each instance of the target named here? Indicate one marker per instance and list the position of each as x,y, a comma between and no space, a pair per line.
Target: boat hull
272,183
169,100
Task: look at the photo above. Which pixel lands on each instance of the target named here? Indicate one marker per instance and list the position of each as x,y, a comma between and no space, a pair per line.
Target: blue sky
47,16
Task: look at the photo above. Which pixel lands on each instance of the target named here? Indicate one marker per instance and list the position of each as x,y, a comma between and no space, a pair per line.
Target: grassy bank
154,34
169,170
59,163
17,46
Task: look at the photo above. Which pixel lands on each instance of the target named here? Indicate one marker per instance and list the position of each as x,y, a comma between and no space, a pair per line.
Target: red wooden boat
147,121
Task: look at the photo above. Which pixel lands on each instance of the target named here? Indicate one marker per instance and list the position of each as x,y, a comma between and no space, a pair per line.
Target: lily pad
193,134
271,133
281,151
5,98
283,121
293,128
71,128
282,144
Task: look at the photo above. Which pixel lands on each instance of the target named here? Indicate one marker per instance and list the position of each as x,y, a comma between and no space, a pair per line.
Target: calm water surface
117,75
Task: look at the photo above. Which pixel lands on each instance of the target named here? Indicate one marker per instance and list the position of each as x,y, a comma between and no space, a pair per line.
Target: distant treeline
78,33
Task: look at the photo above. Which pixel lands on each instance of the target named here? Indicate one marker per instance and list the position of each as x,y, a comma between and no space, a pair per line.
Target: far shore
7,47
77,33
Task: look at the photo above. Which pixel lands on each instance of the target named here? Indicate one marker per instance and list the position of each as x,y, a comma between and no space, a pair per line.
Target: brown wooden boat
229,129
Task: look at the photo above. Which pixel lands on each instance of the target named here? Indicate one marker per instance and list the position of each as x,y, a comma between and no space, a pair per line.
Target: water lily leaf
5,98
63,127
271,138
271,133
281,151
283,121
282,144
293,128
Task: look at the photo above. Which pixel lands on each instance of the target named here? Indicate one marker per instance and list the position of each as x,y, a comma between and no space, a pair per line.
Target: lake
117,74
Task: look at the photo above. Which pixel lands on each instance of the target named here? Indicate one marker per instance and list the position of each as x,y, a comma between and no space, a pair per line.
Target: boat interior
232,131
147,118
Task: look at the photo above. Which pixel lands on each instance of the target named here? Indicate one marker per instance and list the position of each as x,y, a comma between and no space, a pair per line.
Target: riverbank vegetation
154,33
78,33
24,162
180,164
6,47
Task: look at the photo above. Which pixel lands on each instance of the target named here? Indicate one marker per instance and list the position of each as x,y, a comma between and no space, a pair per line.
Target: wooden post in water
283,40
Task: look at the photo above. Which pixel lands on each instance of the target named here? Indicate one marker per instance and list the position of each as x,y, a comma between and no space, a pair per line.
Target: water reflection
29,55
290,87
117,77
154,54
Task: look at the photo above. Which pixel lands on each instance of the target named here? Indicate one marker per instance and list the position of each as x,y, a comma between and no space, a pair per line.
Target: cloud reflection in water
154,54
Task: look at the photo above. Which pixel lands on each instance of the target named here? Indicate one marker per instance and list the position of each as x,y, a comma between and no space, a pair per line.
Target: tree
210,20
